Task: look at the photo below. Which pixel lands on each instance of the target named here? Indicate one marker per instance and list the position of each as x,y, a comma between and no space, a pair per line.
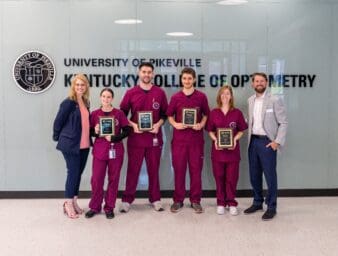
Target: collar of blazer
265,103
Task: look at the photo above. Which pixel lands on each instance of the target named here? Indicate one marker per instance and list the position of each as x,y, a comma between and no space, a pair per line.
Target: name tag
270,110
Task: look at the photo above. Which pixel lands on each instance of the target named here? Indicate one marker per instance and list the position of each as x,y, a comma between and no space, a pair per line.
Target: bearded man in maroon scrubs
150,101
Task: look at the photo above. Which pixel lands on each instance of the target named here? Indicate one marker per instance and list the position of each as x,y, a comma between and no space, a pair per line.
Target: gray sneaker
175,207
197,207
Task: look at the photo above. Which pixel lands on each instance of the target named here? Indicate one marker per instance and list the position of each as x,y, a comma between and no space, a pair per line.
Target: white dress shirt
257,127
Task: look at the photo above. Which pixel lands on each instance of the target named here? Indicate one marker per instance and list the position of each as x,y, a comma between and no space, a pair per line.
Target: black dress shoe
110,215
269,214
253,208
90,214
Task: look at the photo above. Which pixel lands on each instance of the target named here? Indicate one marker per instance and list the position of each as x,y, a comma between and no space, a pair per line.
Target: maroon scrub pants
191,155
152,157
226,177
97,182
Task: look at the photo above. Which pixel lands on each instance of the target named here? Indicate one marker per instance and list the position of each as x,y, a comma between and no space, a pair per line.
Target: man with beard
266,133
144,98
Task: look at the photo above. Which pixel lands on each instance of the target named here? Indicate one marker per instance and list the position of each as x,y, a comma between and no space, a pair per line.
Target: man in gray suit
267,131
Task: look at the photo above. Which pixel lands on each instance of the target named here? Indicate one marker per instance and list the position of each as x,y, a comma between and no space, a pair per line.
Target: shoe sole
247,213
197,211
90,216
268,219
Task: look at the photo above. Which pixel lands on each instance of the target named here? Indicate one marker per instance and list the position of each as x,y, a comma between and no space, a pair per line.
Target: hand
108,138
235,144
274,145
135,128
197,126
180,126
156,128
97,129
216,146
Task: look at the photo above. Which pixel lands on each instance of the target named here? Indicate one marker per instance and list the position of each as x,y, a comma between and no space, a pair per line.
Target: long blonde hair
72,93
219,93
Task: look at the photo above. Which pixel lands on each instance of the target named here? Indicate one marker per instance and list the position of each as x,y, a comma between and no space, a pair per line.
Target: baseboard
167,193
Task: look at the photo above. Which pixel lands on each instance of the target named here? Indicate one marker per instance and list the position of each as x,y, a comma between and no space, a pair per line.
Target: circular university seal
34,72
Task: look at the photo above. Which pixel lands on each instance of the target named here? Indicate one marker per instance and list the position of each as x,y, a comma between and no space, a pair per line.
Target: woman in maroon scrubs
108,154
225,161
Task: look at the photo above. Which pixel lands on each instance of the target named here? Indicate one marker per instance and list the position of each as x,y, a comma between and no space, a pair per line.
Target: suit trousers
263,160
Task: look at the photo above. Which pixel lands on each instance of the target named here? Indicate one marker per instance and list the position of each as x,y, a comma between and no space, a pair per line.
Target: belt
259,136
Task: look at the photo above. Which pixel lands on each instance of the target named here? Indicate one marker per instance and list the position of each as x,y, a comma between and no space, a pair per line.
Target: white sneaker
220,210
125,207
158,206
233,210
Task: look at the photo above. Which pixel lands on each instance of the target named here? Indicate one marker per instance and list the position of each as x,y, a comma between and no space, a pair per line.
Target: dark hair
146,64
189,71
107,90
259,74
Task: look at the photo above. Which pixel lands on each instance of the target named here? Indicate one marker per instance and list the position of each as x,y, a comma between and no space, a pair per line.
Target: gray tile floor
303,226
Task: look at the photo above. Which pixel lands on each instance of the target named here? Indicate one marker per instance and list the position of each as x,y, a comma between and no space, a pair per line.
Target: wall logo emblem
34,72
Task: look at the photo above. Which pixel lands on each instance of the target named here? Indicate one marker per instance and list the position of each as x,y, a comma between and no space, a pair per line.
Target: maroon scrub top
101,145
137,99
234,119
178,101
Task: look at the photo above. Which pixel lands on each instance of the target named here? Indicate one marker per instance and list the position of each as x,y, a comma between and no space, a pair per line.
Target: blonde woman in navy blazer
71,131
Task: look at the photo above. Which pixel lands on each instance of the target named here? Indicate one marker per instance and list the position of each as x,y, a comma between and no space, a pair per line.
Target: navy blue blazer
67,127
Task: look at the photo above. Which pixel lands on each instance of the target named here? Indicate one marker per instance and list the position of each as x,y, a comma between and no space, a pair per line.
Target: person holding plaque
147,105
225,126
267,131
109,126
71,131
187,113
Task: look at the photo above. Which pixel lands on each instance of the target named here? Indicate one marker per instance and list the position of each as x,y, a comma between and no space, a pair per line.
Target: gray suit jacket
274,118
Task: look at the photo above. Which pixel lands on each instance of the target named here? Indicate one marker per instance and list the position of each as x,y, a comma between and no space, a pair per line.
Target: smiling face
80,87
146,74
259,83
226,97
187,80
106,99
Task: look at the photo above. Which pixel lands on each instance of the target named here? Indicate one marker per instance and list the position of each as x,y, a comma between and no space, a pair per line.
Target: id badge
155,141
112,152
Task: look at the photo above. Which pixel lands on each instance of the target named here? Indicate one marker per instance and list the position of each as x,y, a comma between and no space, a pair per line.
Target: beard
146,80
260,90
